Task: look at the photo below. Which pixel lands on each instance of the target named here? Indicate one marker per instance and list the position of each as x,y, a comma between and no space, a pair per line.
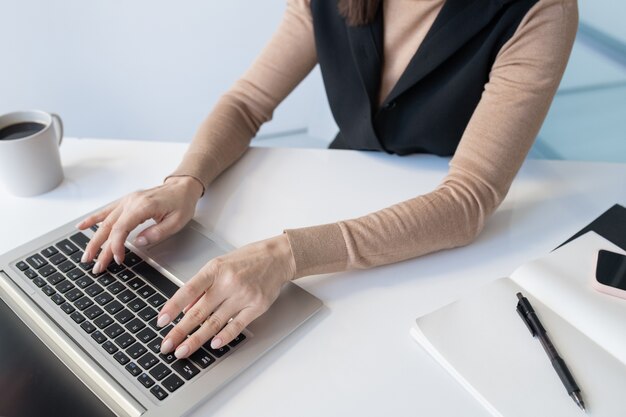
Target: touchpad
185,253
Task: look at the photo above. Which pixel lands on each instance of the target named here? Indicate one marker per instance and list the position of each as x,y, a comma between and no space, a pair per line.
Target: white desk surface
356,356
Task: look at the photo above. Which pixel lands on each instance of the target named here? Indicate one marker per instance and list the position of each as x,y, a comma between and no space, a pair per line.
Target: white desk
356,356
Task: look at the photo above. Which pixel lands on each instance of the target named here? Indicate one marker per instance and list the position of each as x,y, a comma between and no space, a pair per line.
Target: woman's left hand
240,285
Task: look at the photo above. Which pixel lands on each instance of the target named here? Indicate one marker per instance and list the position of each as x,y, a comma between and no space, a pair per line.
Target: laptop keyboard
118,309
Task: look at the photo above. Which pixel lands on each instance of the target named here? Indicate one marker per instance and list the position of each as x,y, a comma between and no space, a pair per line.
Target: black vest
429,107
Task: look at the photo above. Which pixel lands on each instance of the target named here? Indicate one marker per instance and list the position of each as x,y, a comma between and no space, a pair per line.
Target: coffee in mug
30,163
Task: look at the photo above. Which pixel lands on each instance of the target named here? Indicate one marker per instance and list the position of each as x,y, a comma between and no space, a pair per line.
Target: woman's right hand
170,205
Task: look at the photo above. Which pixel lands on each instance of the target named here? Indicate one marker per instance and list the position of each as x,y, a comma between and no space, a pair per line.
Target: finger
104,259
101,235
96,217
127,221
200,313
186,309
209,328
235,327
193,289
168,226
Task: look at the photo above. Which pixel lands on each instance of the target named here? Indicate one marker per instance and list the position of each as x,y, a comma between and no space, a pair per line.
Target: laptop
75,343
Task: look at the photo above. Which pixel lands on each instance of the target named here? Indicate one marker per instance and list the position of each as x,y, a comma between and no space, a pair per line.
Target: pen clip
524,317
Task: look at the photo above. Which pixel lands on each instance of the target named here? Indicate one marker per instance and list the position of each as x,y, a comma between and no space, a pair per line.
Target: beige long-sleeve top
515,101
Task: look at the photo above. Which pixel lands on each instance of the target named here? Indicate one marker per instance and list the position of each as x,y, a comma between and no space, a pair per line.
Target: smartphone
611,273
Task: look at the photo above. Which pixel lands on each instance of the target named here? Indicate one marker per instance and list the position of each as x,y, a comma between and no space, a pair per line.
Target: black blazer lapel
457,22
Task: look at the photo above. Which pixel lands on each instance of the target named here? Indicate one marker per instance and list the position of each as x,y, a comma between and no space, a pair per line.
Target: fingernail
96,268
85,257
78,225
216,343
141,241
166,346
117,259
182,351
163,320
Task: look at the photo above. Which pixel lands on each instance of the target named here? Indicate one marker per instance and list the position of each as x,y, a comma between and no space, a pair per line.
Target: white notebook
484,344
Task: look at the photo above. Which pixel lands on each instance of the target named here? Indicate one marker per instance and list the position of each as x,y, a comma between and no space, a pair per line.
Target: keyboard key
172,383
36,261
116,287
46,270
80,239
126,296
133,368
218,353
109,347
22,266
146,291
82,303
237,340
98,337
145,380
67,247
67,308
93,312
66,266
168,357
88,327
136,350
48,290
158,392
136,283
105,298
84,282
38,281
55,278
147,314
114,330
147,361
115,268
103,321
131,259
124,340
124,316
146,335
74,274
57,259
160,371
155,278
73,294
57,299
122,358
125,275
202,358
77,317
87,266
106,279
136,305
166,330
30,274
156,301
155,345
94,290
110,307
76,256
64,286
135,325
153,324
185,368
48,252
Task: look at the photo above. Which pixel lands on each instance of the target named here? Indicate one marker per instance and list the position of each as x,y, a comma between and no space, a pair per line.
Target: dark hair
358,12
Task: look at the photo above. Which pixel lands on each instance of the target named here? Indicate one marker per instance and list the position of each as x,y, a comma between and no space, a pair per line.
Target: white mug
31,165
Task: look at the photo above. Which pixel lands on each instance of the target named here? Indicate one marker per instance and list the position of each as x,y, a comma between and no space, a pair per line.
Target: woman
473,79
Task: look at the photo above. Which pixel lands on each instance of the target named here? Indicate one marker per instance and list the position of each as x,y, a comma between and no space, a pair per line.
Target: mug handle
58,124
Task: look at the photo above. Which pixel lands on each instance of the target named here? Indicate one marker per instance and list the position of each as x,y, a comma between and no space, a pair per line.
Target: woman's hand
171,205
240,285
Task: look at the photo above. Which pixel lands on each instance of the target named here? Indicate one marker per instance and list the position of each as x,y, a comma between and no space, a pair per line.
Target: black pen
527,313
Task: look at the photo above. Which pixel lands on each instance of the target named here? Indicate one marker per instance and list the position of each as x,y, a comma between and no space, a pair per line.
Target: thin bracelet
190,176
